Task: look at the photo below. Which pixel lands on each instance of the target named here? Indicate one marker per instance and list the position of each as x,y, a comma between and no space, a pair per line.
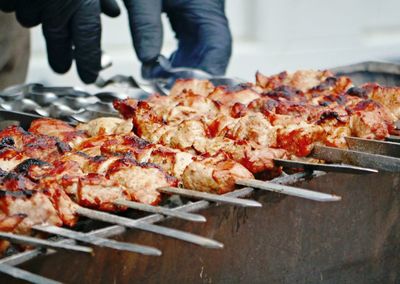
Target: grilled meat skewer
330,110
70,209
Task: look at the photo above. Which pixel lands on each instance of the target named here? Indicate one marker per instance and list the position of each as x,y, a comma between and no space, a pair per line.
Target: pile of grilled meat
200,137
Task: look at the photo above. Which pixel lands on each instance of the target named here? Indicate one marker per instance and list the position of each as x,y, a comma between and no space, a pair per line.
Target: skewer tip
334,198
152,252
213,244
252,203
199,218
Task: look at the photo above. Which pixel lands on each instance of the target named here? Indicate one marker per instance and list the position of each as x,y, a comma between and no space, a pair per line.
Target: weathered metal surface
337,168
288,240
357,158
384,73
374,146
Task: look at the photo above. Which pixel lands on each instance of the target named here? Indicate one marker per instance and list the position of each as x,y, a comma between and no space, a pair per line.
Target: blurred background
269,36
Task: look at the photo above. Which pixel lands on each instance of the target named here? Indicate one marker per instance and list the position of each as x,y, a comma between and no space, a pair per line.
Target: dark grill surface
288,240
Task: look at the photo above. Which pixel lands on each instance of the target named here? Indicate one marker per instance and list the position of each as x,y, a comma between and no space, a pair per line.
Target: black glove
201,27
72,30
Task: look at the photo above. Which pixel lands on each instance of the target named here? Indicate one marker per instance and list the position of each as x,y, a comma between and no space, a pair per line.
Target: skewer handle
103,242
338,168
210,196
290,190
161,210
129,223
25,275
374,146
337,155
43,243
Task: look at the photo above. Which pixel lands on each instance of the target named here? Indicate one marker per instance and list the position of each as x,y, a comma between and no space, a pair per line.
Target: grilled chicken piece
299,139
15,136
215,174
128,145
172,161
35,146
10,158
254,128
387,96
330,86
125,107
64,205
57,128
140,180
92,190
198,87
336,127
183,135
83,178
92,146
106,126
225,97
10,223
302,80
95,191
27,210
33,175
34,169
254,159
146,123
370,120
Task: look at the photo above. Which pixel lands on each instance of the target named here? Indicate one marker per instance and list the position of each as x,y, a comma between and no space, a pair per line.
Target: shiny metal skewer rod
25,275
374,146
42,243
363,159
161,210
338,168
102,242
210,197
130,223
289,190
392,138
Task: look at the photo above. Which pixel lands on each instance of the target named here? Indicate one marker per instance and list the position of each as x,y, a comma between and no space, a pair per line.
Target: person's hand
72,30
201,28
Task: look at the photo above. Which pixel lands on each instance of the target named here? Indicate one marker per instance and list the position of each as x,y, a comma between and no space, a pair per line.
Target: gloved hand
72,30
201,28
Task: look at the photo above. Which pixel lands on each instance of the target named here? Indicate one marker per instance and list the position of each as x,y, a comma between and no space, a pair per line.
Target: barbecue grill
287,240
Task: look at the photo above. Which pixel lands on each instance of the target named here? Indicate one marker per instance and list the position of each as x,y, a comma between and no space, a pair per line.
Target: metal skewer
395,139
289,190
129,223
43,243
336,155
161,210
374,146
103,242
338,168
210,196
25,275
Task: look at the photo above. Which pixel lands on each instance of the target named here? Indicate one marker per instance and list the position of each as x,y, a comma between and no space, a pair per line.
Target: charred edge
16,194
326,85
329,115
24,167
366,105
62,147
283,92
7,142
136,142
357,92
